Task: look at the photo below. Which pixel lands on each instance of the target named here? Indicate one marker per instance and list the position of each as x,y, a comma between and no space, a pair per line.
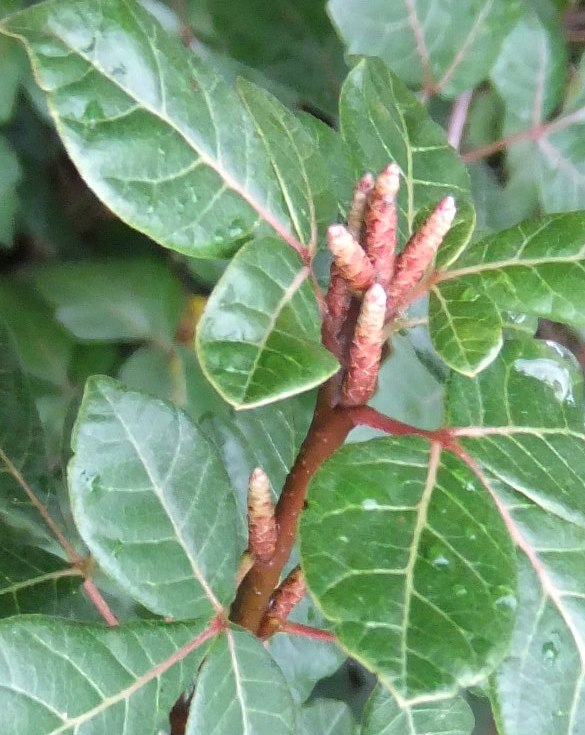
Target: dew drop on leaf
550,652
550,372
438,558
370,504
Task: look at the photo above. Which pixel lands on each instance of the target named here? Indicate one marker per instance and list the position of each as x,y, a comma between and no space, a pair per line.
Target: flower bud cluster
367,272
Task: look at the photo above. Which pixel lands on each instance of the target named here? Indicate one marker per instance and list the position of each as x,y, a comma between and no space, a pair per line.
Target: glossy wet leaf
240,689
156,133
327,717
382,121
60,678
522,425
537,267
445,45
152,501
31,580
412,568
114,299
385,716
259,338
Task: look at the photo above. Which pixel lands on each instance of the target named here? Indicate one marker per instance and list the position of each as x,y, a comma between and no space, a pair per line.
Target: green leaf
304,661
241,690
23,462
31,580
152,501
63,678
382,121
412,567
10,174
156,133
327,717
465,325
535,268
440,45
259,338
12,59
293,150
294,44
521,422
385,716
44,348
530,76
239,436
114,299
531,70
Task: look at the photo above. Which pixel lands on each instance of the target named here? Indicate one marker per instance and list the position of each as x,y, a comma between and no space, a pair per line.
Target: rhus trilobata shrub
275,396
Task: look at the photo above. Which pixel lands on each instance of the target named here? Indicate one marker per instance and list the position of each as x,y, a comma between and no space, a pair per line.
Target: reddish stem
328,431
307,631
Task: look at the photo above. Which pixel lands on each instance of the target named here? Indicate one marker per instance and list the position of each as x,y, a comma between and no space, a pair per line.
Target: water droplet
508,601
550,652
370,504
557,377
438,557
471,533
236,229
471,487
118,71
459,590
117,548
343,539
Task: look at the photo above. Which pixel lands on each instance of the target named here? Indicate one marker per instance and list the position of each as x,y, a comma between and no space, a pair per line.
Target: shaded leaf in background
241,690
382,121
44,348
51,684
12,60
114,299
10,173
32,580
530,76
327,717
443,45
537,267
152,501
259,338
385,716
293,43
22,446
304,661
157,134
413,567
522,423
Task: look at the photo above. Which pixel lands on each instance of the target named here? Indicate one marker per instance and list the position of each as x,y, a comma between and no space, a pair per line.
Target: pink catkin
261,520
381,224
338,301
349,258
284,599
419,252
366,349
357,209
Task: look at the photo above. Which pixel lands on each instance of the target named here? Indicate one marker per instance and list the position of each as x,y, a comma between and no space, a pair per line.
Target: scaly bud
365,351
338,300
357,208
261,520
284,599
381,224
419,252
350,259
